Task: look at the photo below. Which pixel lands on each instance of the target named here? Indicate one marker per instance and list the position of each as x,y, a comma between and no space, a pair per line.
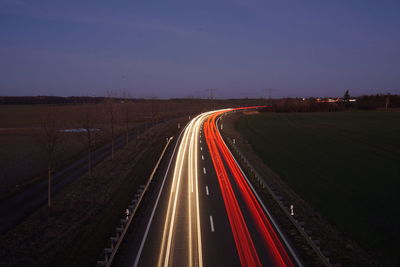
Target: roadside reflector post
127,214
234,141
291,210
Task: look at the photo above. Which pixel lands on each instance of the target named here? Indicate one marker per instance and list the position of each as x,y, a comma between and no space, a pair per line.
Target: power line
211,97
268,94
211,91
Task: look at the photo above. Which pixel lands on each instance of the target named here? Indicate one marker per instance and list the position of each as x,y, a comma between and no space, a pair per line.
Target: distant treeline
32,100
366,102
54,100
16,100
378,101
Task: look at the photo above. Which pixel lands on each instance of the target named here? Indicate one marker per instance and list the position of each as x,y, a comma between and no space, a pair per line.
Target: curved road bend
202,211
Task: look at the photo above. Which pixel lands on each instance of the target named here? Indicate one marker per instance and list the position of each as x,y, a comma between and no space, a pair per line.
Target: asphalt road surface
202,211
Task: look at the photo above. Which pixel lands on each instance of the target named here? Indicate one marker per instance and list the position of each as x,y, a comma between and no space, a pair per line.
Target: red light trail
244,244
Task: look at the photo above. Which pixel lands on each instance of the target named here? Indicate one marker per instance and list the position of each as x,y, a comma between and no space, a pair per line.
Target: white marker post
127,214
291,210
179,125
234,141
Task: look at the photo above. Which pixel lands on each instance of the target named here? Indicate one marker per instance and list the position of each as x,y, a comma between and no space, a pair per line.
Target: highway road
202,210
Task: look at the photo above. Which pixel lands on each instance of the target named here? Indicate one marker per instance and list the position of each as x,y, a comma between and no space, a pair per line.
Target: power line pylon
211,97
268,95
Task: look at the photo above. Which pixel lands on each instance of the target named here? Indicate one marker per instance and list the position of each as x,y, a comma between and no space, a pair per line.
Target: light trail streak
245,247
185,184
186,167
270,237
171,210
199,245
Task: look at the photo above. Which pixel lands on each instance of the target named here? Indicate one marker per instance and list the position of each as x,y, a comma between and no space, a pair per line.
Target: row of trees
378,101
17,100
307,105
100,123
368,102
87,121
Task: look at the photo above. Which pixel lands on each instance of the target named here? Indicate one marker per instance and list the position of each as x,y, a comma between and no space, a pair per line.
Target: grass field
346,165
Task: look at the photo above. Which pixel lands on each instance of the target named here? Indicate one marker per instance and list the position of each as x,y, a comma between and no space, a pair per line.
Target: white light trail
187,159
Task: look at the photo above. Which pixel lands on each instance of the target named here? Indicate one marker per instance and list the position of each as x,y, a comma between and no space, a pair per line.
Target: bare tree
111,111
88,124
50,137
127,111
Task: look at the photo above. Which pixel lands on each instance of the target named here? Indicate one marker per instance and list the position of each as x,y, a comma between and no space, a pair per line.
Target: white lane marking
204,170
135,264
202,157
212,224
207,192
201,148
200,141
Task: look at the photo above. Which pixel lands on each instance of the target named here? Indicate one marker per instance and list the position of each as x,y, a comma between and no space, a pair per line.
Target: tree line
102,122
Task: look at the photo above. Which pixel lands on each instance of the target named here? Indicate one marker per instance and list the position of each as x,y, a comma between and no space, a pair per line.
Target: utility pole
268,95
211,97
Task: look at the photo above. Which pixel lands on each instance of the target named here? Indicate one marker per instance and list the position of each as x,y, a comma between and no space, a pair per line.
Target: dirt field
23,157
344,164
84,215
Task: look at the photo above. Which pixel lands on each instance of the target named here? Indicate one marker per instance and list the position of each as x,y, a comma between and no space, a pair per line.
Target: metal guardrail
278,200
120,232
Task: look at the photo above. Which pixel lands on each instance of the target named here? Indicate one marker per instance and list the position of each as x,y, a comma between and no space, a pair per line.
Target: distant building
333,100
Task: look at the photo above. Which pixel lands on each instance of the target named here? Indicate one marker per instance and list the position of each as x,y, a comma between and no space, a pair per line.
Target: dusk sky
179,48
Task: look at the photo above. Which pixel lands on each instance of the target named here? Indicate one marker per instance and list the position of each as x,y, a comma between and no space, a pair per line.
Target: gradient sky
179,48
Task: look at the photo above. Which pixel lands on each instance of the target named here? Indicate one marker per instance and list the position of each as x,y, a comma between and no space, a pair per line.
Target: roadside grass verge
346,165
95,235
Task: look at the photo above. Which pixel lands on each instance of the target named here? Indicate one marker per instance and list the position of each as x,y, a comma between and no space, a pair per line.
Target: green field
345,164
